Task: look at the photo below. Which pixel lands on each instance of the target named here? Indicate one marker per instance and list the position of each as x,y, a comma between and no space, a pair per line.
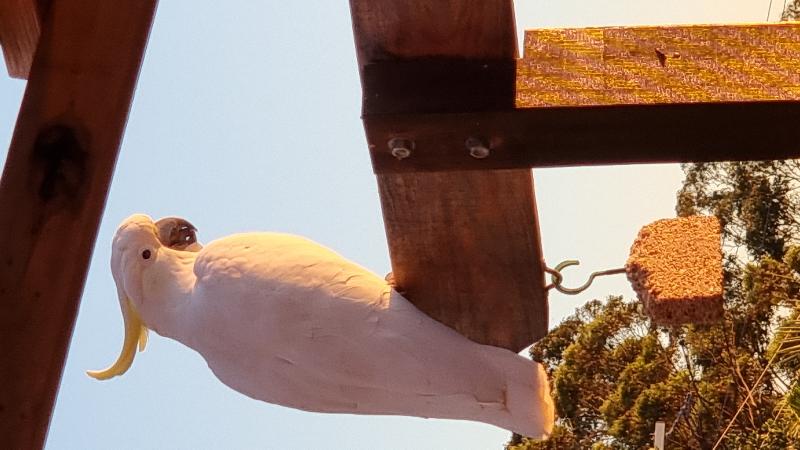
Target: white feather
285,320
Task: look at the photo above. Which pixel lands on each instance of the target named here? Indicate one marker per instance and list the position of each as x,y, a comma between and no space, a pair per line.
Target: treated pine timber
657,65
618,96
20,26
465,246
52,194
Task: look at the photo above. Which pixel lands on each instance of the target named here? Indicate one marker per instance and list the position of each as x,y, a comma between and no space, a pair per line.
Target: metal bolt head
401,152
477,149
401,148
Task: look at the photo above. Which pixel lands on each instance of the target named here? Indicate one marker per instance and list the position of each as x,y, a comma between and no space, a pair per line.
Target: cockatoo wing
328,335
310,300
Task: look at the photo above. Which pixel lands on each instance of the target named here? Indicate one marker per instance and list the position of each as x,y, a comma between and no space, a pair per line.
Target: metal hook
556,278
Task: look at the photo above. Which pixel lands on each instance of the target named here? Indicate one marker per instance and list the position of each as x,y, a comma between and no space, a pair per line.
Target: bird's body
285,320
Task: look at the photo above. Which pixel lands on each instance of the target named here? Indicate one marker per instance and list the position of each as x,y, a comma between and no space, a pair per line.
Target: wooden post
658,436
52,194
464,245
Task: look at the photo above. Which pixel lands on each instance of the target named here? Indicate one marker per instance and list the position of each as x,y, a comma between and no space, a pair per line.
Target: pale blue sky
246,118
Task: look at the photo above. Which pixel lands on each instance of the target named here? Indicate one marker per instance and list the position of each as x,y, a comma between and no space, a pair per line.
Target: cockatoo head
134,254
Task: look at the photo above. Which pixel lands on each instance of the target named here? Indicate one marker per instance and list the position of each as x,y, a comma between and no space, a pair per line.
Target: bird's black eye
146,254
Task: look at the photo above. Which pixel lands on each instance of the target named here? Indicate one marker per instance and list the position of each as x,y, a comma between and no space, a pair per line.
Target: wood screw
401,148
477,149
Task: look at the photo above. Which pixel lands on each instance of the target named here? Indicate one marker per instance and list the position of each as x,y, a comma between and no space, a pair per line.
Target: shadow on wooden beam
577,136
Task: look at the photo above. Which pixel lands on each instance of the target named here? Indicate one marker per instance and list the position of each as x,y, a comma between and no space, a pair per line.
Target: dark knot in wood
60,160
662,58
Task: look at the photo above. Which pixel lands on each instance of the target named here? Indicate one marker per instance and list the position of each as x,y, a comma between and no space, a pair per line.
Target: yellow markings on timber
647,65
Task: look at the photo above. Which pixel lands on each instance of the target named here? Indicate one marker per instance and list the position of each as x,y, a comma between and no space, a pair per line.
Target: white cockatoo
282,319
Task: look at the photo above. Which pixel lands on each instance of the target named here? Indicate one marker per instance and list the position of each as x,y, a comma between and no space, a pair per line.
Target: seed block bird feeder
675,267
454,121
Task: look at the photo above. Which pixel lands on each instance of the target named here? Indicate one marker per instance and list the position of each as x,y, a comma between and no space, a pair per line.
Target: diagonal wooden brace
53,191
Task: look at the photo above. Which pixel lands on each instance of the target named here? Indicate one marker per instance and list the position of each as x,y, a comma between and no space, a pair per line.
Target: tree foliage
792,11
614,374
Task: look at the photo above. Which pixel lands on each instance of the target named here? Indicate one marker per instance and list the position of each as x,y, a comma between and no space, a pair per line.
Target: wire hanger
557,279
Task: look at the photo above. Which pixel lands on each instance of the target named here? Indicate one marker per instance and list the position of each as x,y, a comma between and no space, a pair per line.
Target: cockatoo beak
135,335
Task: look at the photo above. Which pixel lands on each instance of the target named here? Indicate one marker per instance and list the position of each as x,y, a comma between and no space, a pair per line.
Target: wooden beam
574,136
464,245
20,25
52,194
651,65
615,96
